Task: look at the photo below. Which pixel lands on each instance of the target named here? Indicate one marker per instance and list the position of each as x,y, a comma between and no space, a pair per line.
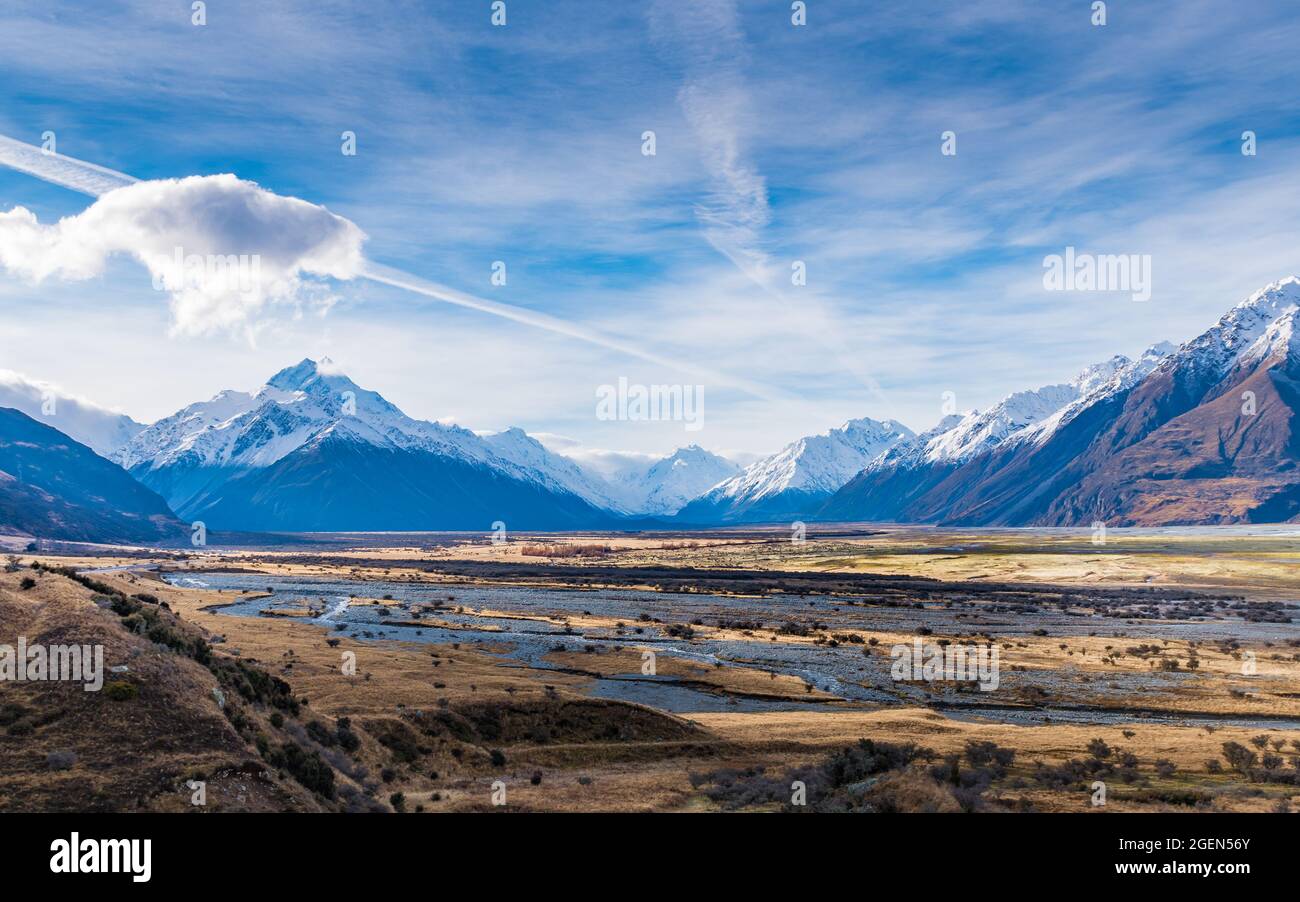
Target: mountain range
1197,434
798,478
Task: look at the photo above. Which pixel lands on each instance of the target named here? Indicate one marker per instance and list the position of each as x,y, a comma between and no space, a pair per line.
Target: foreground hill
53,487
167,712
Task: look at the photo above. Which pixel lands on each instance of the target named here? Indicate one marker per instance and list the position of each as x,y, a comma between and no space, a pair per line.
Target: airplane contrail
87,178
388,276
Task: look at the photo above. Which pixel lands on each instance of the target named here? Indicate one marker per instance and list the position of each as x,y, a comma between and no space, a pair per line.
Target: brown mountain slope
1218,462
1207,437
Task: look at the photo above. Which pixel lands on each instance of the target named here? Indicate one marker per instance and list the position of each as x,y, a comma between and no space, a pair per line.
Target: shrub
1239,758
308,768
61,760
121,690
11,712
321,733
1099,749
348,739
982,754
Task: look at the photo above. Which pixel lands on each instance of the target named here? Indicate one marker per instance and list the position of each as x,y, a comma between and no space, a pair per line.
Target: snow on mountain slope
797,477
980,431
1215,351
554,470
103,431
664,487
1021,416
1207,437
238,431
914,451
256,430
816,463
1097,383
1280,339
204,444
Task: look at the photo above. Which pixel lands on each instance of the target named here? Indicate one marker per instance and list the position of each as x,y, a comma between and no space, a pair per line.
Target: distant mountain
799,477
914,480
1201,434
555,470
312,450
102,430
55,488
664,486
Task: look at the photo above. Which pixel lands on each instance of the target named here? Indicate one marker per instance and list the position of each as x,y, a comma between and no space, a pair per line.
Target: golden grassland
621,757
1265,564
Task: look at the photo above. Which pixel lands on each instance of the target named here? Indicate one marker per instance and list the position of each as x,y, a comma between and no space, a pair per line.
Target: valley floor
692,672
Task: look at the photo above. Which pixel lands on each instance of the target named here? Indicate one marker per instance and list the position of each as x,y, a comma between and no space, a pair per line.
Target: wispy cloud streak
706,42
96,181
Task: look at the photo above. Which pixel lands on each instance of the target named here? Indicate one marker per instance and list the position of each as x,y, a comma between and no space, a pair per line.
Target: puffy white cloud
224,249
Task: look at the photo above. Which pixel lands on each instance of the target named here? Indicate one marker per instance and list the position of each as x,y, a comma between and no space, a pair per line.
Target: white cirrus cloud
223,248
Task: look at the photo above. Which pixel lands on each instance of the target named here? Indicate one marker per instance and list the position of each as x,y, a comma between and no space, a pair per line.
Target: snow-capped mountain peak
817,463
248,430
1280,339
1216,350
1020,416
1096,383
666,485
300,375
313,401
980,431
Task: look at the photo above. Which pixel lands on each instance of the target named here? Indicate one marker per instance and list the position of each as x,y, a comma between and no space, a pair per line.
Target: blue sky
774,143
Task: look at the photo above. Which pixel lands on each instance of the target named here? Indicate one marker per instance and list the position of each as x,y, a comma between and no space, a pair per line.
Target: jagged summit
808,468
